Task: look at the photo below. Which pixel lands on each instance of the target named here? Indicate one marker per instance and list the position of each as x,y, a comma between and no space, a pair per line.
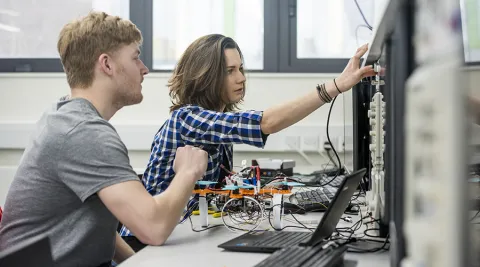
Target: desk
187,248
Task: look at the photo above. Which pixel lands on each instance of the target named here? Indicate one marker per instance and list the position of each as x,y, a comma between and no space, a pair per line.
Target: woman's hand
353,74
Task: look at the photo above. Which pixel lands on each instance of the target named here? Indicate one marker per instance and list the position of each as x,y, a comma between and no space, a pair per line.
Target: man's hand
189,159
353,74
152,219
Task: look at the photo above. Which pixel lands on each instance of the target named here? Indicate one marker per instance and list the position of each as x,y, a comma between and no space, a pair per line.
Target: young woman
206,87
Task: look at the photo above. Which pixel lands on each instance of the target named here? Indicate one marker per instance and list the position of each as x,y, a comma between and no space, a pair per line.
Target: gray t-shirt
73,154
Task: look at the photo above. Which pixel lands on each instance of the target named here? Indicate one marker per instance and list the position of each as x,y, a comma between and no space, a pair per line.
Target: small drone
239,190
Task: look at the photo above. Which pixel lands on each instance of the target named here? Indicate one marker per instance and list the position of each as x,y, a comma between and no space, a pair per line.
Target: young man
74,181
206,86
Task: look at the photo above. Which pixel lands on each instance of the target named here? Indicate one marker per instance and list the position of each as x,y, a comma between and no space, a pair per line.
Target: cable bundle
243,214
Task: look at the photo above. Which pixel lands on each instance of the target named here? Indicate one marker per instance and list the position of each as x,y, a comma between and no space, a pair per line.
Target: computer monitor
362,105
396,55
400,65
473,174
470,14
435,219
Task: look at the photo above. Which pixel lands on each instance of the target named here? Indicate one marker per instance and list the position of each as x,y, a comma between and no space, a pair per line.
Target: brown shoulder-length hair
199,76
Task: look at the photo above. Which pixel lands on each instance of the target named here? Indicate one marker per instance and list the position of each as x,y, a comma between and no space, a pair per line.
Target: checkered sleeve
200,126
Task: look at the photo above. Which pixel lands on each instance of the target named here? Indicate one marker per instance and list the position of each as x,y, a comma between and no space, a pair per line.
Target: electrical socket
316,143
310,143
326,146
293,142
340,144
321,143
348,143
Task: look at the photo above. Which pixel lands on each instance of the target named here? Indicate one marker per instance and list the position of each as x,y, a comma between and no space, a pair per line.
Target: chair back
33,252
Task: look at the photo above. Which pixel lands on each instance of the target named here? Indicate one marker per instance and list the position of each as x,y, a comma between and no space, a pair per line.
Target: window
274,35
323,34
178,23
29,29
332,29
471,30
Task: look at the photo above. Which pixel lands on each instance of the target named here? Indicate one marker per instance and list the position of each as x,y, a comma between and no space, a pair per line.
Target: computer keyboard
331,181
302,256
314,200
321,180
474,169
281,239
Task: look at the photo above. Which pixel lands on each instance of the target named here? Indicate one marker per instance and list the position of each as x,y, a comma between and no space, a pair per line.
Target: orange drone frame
238,192
241,192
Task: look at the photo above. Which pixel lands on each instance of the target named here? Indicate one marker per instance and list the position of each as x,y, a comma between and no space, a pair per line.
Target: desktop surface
188,248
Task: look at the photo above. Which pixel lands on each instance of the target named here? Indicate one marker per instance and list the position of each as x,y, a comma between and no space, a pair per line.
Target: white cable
259,219
347,170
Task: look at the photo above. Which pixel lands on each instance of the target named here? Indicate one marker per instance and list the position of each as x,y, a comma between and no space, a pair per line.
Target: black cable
331,145
353,212
288,226
475,216
357,250
217,225
300,222
331,159
371,229
365,178
356,196
363,16
352,229
355,227
204,229
363,191
328,135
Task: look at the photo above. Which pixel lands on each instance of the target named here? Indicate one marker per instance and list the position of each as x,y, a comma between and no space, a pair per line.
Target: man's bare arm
152,219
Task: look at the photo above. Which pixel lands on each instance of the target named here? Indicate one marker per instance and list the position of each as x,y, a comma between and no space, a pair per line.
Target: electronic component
375,197
274,167
436,155
240,200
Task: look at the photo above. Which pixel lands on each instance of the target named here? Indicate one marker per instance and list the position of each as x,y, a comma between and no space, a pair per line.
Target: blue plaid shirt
214,132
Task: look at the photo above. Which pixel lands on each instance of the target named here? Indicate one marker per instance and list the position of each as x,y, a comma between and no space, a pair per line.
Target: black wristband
336,86
322,93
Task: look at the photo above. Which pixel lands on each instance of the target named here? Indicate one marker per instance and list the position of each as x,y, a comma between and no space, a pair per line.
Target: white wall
23,98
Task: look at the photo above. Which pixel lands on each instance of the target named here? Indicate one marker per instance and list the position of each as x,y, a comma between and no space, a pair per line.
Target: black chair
33,252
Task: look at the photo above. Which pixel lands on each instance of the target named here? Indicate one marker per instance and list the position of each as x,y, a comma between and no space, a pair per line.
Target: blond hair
82,41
